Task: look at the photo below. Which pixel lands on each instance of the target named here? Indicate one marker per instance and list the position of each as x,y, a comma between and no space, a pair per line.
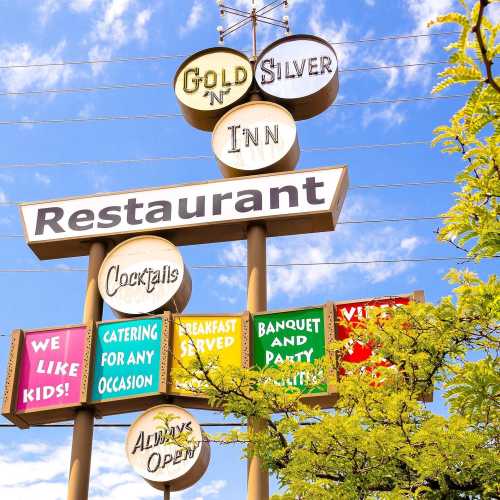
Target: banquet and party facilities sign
45,375
129,362
300,335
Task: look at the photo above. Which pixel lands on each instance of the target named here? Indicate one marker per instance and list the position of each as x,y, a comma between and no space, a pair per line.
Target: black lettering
234,139
326,64
162,214
249,136
81,220
217,202
300,71
43,220
154,462
106,215
240,75
210,84
310,186
139,445
293,196
200,208
269,134
267,71
287,71
116,270
196,81
131,208
254,199
313,66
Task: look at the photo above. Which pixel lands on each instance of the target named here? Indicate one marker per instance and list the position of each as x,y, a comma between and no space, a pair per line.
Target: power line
164,57
128,86
80,163
340,223
214,267
169,116
355,187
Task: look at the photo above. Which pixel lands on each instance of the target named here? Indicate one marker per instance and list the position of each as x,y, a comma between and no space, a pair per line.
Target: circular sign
144,275
255,138
301,73
209,82
166,446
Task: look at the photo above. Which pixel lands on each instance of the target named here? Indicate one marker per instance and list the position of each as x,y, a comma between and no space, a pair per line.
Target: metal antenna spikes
253,17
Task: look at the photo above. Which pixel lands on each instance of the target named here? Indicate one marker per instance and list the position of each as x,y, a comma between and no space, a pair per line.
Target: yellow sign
210,335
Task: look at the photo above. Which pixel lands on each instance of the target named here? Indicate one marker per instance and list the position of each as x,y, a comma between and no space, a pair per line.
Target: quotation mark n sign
213,96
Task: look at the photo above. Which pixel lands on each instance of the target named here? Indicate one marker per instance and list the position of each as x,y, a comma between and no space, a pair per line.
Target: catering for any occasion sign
128,359
297,336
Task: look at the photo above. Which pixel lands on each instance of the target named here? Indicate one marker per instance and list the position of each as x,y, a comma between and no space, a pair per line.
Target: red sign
353,313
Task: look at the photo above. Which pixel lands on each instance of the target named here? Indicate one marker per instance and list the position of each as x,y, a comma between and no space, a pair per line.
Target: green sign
290,336
127,359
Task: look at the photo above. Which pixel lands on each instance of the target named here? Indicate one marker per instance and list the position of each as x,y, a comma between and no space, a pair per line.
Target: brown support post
166,492
258,477
83,430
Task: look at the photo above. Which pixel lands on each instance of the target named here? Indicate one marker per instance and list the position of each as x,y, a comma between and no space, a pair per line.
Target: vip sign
299,72
221,337
144,275
288,203
350,314
129,364
166,446
295,336
256,137
210,82
45,380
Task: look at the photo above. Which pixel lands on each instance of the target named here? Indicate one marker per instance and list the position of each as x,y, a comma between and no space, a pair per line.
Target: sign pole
83,430
257,476
166,492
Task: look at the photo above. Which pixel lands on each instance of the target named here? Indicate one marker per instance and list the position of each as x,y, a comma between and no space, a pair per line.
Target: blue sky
34,463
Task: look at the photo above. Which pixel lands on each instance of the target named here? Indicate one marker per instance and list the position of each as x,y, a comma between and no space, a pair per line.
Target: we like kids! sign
51,368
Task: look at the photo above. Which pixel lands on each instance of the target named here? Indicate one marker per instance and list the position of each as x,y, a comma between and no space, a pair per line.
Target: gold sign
210,82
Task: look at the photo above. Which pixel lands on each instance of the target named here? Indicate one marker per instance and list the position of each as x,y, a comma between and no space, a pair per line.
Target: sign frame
50,414
197,401
119,405
206,120
311,105
328,398
229,229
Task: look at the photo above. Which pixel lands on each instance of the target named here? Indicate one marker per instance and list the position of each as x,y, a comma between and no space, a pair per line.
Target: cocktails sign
144,275
166,446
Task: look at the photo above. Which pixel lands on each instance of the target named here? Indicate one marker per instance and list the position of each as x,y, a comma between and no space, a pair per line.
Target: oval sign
166,446
301,73
144,275
254,138
210,82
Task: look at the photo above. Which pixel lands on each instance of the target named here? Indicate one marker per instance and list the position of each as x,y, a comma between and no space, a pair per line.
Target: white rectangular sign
288,203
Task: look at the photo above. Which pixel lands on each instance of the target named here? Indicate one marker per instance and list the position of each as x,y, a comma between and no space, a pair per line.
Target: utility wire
213,267
169,116
345,222
355,187
82,163
124,86
163,57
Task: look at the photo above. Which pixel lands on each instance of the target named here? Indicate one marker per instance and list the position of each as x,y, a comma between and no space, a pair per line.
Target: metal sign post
258,477
81,448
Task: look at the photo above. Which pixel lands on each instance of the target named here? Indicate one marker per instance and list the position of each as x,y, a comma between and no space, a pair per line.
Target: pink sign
51,368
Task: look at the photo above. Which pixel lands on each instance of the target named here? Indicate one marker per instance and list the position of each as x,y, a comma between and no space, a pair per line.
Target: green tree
381,441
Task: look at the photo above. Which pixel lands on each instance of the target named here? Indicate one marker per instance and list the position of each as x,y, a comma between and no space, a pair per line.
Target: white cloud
194,19
81,5
19,79
345,244
6,178
140,23
388,114
42,179
34,471
370,3
3,197
47,9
